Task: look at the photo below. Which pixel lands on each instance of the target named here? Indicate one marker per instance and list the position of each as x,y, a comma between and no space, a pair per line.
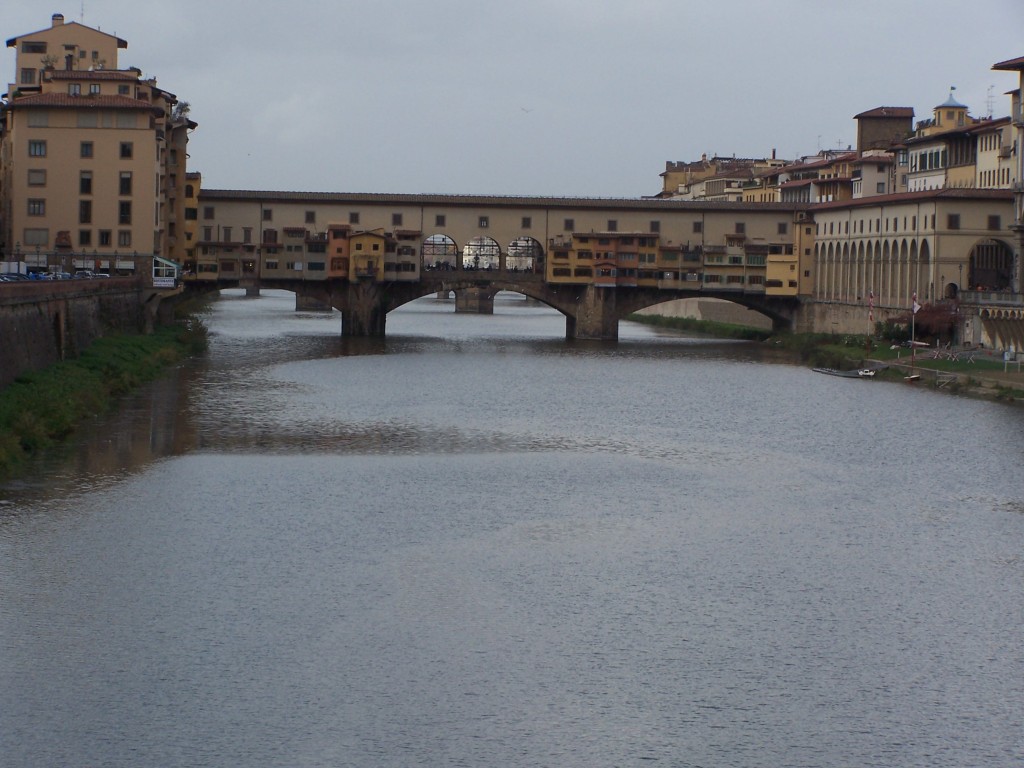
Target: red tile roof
1004,195
887,112
1011,64
13,42
67,101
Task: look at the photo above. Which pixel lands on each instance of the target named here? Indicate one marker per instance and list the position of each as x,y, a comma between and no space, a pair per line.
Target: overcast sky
536,97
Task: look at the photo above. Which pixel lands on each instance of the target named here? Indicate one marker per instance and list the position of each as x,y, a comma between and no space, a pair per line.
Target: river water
475,543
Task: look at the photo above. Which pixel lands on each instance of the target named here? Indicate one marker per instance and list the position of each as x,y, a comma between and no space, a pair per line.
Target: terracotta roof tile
1011,64
497,201
67,101
930,194
887,112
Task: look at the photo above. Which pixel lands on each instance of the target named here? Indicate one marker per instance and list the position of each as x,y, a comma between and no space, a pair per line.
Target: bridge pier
595,317
363,310
479,301
362,321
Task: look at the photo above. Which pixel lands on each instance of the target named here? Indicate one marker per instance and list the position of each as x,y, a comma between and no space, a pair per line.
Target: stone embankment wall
46,322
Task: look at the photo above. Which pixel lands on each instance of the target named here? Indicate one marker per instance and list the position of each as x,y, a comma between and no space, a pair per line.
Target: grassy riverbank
977,373
44,407
707,327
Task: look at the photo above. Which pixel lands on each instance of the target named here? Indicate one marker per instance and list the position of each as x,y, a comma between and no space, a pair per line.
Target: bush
43,407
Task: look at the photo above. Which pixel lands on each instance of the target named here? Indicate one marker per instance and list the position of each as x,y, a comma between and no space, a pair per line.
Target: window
783,228
74,89
570,225
994,223
32,46
94,89
124,212
85,237
527,222
268,214
85,211
191,214
396,219
104,237
125,186
953,221
246,234
28,76
36,236
36,177
37,148
698,227
311,217
613,225
226,235
655,226
85,149
124,90
124,238
207,234
483,222
439,220
85,183
127,150
353,217
741,228
208,212
38,118
36,207
880,188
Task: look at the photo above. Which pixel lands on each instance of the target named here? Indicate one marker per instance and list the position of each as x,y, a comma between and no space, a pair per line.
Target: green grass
42,408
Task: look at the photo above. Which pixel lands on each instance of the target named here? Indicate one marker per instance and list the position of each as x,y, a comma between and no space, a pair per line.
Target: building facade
92,157
934,244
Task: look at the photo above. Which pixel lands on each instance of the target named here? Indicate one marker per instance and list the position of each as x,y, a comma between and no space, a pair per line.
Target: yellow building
92,158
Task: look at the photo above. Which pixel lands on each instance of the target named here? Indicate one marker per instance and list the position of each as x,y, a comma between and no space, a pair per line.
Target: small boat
862,373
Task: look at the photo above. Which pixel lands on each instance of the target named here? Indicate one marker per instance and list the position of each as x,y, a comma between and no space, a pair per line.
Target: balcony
992,298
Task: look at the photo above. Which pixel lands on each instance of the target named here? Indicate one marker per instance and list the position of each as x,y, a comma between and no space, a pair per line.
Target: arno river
477,544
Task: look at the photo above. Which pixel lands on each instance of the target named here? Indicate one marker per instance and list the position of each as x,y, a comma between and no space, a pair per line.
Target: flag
914,305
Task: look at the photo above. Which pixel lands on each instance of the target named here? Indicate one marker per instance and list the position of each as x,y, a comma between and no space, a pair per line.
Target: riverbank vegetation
975,371
705,327
44,407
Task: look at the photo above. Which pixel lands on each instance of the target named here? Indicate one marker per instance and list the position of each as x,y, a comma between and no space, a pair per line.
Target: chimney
58,19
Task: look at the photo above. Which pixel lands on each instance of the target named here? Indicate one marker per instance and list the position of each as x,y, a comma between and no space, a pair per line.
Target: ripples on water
474,543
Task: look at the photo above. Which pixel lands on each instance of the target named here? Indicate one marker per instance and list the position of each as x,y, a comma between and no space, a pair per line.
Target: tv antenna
990,102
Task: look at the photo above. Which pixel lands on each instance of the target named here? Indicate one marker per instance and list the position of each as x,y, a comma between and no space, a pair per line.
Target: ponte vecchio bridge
594,260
